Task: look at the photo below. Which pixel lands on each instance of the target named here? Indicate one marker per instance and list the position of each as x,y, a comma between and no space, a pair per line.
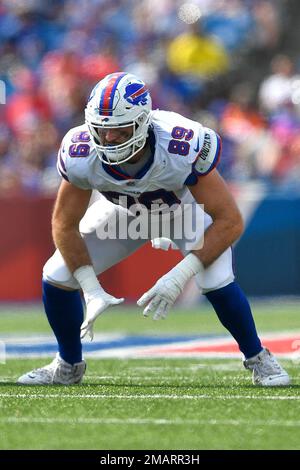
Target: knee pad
57,272
219,274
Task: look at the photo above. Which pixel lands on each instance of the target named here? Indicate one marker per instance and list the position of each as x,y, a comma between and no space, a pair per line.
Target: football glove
162,296
96,299
94,307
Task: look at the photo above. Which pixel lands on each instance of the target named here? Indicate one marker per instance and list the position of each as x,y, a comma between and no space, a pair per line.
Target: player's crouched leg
65,315
234,312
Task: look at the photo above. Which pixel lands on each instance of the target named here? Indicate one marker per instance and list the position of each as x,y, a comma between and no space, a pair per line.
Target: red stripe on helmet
106,105
139,92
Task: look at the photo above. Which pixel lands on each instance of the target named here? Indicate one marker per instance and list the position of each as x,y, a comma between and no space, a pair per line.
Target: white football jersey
182,150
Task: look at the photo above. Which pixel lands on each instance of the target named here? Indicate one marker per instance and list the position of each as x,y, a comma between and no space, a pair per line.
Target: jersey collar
117,173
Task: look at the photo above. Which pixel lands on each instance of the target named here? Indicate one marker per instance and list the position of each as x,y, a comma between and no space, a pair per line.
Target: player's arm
212,191
227,226
71,205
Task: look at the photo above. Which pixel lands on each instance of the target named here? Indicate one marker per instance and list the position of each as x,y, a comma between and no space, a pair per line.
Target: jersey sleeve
205,155
209,154
73,160
62,160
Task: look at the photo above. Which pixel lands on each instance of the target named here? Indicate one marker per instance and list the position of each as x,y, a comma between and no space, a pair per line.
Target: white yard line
142,378
191,368
149,421
33,396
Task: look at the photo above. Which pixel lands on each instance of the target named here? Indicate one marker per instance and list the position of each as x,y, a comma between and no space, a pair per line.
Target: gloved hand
163,243
161,297
95,305
96,299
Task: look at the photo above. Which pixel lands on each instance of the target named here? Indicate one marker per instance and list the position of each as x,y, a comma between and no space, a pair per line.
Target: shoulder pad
73,155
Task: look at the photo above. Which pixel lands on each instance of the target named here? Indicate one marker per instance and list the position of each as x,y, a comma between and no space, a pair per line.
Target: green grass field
151,403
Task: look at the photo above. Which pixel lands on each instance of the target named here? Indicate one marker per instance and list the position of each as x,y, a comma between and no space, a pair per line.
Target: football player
134,156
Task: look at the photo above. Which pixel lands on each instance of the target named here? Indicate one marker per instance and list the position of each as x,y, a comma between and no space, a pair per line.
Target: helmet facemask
114,154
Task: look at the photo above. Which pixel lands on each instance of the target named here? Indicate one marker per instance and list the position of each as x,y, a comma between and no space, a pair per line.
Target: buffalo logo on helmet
136,94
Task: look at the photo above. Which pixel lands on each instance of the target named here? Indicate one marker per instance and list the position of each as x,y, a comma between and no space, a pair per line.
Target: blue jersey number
77,149
147,199
177,145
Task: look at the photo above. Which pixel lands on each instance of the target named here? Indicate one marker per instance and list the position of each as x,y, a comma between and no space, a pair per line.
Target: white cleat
266,370
58,372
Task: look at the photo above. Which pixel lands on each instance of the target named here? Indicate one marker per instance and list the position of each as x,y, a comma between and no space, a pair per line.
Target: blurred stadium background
233,65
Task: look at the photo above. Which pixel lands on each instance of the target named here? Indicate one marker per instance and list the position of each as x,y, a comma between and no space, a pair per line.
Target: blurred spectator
267,15
193,53
256,151
231,22
276,89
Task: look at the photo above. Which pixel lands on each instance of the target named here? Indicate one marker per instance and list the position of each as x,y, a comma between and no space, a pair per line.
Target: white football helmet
120,100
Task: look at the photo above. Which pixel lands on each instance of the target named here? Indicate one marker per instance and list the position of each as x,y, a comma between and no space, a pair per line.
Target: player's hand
161,297
96,299
95,305
163,243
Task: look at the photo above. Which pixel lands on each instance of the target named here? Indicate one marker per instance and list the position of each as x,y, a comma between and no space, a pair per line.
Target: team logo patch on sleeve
208,156
206,147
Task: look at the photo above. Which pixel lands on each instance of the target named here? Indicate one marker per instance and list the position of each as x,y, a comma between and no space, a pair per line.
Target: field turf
186,403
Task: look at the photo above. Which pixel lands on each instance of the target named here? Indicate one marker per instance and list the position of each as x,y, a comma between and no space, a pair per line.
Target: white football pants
186,230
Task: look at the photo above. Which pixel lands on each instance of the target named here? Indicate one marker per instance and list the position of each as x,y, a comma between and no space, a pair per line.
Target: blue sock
65,314
234,312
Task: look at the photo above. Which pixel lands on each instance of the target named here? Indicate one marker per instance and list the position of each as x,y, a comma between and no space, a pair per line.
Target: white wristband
87,279
193,263
188,267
